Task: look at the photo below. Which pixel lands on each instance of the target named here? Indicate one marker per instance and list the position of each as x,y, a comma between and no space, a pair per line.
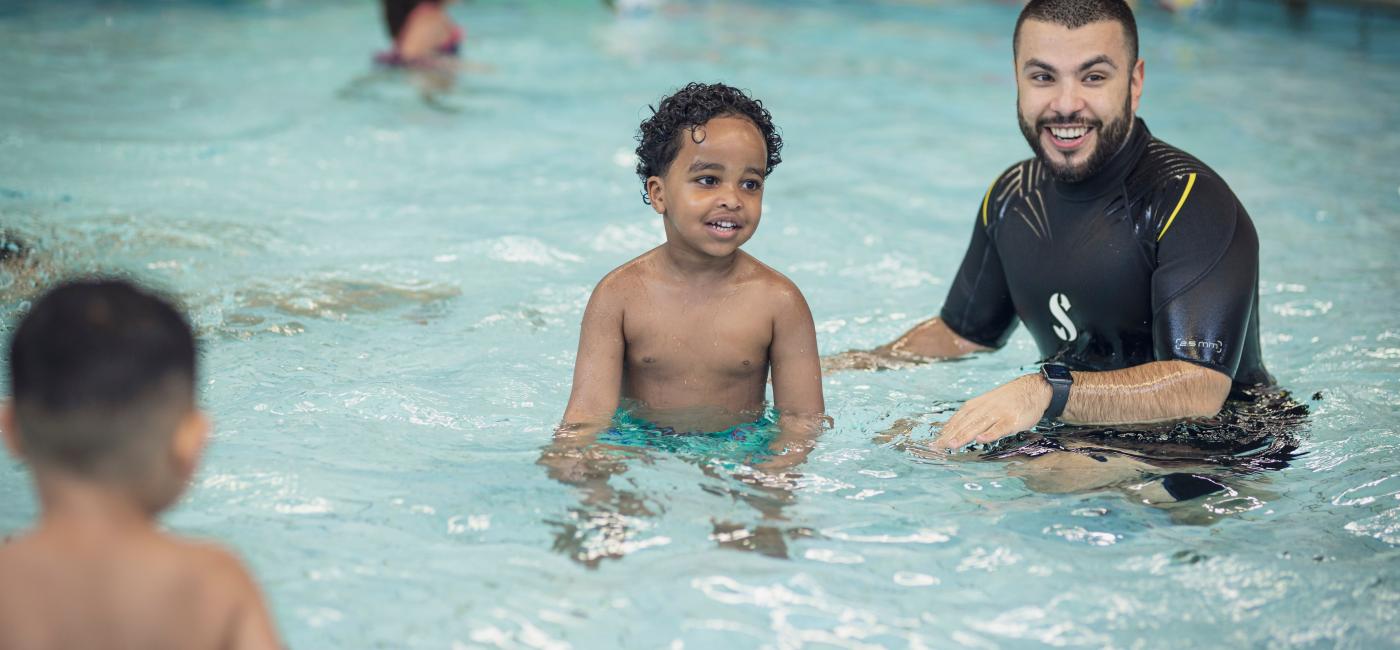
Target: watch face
1056,372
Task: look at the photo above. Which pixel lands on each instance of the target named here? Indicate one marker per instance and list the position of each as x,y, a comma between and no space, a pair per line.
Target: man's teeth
1069,132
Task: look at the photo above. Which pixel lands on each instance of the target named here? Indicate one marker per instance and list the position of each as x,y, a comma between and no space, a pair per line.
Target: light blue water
389,291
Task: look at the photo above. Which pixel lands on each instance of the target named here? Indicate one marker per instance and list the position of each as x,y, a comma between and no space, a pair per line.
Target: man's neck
1113,167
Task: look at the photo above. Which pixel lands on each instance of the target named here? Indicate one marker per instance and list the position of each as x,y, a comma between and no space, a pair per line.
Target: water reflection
1198,470
616,516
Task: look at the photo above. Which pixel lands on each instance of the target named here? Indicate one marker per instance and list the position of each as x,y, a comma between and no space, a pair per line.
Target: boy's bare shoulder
222,569
17,555
775,286
623,280
200,589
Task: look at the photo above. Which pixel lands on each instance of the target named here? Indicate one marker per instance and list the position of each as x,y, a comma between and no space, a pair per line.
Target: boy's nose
729,198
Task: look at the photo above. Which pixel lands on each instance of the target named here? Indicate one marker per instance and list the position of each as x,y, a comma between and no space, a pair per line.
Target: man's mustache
1072,118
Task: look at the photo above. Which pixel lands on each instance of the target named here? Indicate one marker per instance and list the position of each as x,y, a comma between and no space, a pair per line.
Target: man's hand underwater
1008,409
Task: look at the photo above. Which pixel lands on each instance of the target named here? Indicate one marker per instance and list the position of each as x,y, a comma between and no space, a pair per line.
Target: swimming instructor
1132,264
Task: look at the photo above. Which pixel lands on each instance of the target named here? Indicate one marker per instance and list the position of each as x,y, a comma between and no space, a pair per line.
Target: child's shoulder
629,273
777,293
220,566
769,280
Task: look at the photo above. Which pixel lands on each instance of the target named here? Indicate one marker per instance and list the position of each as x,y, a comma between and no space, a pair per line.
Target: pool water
388,275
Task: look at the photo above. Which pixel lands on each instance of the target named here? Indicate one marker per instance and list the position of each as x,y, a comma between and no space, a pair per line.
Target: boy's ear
9,431
654,192
189,442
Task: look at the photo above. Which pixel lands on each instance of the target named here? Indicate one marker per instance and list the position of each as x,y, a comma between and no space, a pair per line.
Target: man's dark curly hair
659,138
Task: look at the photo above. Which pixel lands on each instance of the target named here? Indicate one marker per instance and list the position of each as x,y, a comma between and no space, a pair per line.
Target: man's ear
188,444
9,431
655,187
1135,89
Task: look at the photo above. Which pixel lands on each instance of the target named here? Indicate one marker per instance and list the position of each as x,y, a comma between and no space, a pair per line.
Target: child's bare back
75,585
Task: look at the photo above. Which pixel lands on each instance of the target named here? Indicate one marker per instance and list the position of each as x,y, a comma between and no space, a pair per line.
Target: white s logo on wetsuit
1059,308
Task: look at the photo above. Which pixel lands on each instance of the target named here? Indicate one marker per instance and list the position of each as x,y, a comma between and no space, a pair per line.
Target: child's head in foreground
704,155
102,381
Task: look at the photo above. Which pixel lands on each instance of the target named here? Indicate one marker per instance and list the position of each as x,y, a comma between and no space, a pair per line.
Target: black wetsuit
1152,258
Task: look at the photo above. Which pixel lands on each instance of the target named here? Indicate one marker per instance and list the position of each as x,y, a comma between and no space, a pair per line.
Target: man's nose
1069,100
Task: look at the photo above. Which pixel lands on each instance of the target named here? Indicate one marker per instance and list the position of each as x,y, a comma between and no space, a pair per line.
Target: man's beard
1110,140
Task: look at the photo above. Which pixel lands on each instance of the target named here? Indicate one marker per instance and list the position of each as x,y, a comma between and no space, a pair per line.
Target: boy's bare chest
710,338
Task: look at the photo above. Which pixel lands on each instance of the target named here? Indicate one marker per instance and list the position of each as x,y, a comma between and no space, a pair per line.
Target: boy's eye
707,180
752,185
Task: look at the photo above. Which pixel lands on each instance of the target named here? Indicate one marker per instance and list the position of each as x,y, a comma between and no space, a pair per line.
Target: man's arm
977,315
1152,392
932,339
797,380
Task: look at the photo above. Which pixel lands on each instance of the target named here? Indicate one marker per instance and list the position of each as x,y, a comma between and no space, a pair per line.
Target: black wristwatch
1060,380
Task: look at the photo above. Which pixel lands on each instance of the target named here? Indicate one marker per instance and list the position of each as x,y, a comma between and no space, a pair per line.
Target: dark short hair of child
101,371
659,138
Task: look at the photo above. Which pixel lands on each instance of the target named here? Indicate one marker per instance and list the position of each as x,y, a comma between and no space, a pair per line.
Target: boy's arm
797,380
596,392
597,387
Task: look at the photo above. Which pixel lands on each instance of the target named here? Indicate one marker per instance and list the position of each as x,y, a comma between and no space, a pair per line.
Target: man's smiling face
1076,93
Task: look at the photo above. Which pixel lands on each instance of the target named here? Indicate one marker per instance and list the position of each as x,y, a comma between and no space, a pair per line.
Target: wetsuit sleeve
979,306
1207,275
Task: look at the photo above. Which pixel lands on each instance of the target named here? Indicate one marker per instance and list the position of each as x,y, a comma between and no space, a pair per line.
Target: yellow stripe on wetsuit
1190,181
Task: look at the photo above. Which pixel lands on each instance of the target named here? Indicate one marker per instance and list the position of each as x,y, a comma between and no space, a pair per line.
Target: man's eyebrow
1102,58
700,165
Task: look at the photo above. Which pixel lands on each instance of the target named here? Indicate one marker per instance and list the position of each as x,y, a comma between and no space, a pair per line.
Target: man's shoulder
1165,168
1018,180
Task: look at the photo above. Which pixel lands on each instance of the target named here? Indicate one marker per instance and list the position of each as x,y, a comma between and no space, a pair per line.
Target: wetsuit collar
1110,177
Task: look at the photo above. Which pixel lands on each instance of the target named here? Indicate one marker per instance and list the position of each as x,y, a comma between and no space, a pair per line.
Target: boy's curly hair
659,138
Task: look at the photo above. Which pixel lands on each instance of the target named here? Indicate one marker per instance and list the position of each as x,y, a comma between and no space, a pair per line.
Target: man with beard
1132,264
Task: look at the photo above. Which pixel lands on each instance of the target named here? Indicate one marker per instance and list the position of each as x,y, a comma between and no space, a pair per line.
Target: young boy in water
691,329
103,413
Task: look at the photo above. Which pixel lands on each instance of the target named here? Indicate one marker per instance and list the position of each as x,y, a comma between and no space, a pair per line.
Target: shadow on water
1197,470
615,513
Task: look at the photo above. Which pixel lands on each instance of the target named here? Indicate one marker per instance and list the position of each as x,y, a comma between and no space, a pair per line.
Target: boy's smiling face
711,197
